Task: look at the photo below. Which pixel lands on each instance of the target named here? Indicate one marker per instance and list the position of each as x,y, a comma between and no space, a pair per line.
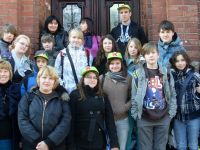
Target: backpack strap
87,52
61,63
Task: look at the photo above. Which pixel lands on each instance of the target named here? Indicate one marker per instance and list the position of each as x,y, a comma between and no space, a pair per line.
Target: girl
53,26
91,41
133,55
107,45
22,65
9,98
187,86
90,108
117,85
69,70
43,115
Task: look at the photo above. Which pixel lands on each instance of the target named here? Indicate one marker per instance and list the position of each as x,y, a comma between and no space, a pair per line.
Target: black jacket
90,118
41,120
134,31
9,98
61,39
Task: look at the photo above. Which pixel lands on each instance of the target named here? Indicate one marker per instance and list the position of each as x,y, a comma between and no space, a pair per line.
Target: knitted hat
114,55
41,53
124,6
89,69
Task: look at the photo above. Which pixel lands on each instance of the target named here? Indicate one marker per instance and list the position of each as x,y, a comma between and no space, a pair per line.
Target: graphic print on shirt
154,98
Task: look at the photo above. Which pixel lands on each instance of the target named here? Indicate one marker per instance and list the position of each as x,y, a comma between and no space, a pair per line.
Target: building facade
29,15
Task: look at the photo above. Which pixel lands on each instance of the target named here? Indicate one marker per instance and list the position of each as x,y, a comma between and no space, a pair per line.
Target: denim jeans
186,134
6,144
122,127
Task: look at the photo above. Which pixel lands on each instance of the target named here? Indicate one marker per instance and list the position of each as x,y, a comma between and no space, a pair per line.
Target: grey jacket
139,86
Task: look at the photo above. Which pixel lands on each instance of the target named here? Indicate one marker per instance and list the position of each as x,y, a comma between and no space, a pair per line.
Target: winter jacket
79,59
134,31
61,39
166,50
41,120
9,98
118,95
139,87
92,118
188,101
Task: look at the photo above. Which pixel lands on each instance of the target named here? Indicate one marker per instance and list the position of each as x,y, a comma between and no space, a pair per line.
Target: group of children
153,85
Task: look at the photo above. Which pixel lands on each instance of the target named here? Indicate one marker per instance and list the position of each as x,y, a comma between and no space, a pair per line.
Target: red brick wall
183,13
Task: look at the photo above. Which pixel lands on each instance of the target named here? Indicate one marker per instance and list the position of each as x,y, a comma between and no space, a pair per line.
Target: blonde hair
138,46
50,71
149,47
21,36
77,32
7,66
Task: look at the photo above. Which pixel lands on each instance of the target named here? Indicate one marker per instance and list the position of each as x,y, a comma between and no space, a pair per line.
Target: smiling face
90,79
4,76
107,45
180,62
166,35
21,45
46,83
53,26
115,65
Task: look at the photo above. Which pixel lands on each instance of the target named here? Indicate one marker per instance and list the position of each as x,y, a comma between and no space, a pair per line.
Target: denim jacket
139,86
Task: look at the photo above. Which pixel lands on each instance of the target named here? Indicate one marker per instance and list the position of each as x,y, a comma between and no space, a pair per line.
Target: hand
198,88
115,148
42,146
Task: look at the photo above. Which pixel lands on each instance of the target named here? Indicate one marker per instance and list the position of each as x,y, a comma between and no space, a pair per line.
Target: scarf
117,76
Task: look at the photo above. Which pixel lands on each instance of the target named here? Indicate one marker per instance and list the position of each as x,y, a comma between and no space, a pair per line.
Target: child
29,81
48,42
168,43
107,45
69,70
8,34
133,55
153,100
187,85
9,98
116,85
88,102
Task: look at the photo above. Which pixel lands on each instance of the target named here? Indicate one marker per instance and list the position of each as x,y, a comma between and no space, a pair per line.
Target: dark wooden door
103,12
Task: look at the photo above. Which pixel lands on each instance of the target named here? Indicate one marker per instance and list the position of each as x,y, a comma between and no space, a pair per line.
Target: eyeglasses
88,77
24,44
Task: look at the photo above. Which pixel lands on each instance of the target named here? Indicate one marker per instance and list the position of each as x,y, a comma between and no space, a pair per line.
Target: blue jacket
166,50
188,101
139,86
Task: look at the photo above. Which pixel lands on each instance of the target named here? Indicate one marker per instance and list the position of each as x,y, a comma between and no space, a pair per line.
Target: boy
168,43
48,45
29,81
127,29
153,100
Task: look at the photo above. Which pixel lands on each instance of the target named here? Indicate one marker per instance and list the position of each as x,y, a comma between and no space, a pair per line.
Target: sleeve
143,38
197,78
23,90
26,128
58,68
110,124
173,101
134,106
61,131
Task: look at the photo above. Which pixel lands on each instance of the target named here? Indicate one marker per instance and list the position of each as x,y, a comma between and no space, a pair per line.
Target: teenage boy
153,101
127,29
168,43
48,43
29,81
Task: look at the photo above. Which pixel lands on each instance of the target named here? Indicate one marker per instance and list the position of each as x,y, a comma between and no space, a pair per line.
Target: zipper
44,107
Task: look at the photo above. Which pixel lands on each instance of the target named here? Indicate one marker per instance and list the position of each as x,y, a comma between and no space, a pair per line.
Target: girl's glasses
90,78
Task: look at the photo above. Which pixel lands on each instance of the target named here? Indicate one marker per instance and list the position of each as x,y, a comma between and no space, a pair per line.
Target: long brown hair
101,54
81,85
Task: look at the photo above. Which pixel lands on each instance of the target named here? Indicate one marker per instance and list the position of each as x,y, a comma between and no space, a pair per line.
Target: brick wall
183,13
